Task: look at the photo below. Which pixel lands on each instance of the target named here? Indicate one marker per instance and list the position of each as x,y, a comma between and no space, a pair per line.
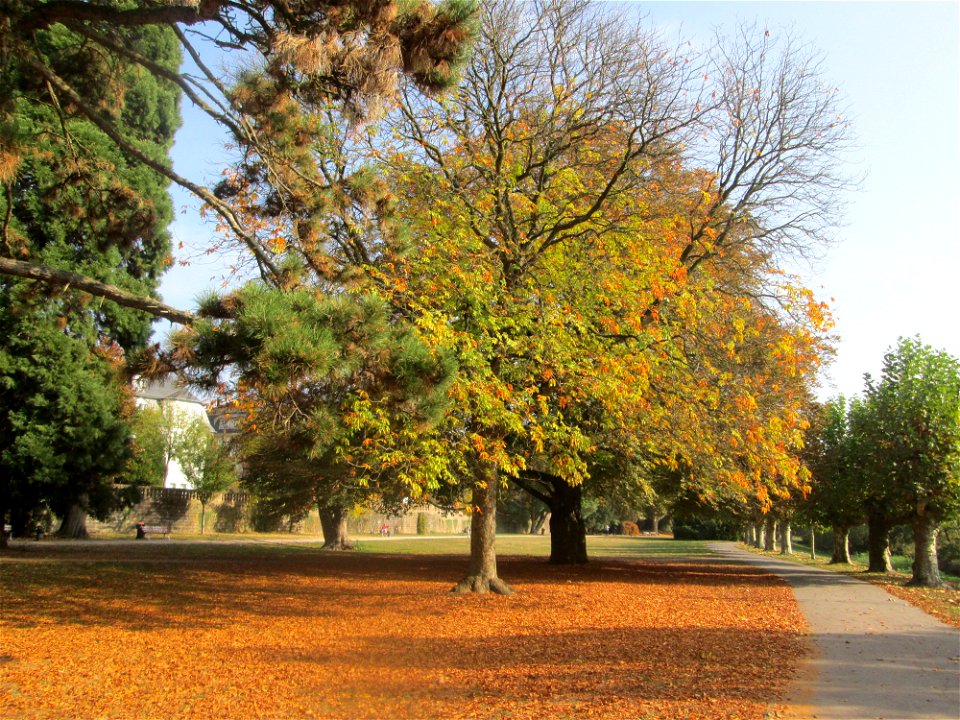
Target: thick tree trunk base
568,532
482,576
841,547
333,522
786,539
74,524
337,545
879,546
881,563
568,541
770,536
481,585
81,534
926,571
927,582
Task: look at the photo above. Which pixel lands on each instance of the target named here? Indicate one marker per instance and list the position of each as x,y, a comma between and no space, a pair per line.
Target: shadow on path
877,655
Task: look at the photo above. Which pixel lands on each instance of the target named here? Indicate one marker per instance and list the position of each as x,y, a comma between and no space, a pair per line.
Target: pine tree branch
217,114
50,13
65,278
267,266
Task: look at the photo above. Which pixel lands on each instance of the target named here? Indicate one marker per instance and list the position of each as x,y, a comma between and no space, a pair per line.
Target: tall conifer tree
77,203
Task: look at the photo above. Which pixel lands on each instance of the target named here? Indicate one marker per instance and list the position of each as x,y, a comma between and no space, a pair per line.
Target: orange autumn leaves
305,635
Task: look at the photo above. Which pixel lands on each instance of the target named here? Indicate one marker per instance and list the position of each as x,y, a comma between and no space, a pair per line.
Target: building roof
166,389
226,419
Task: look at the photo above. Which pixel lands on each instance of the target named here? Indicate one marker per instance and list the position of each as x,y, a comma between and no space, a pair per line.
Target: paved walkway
876,656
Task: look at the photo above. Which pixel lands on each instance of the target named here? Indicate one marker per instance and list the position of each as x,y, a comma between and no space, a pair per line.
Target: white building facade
184,408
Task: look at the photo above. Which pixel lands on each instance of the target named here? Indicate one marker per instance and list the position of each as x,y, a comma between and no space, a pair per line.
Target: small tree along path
207,630
877,656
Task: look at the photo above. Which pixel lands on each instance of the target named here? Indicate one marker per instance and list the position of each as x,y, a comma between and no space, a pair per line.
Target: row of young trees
892,457
563,273
887,458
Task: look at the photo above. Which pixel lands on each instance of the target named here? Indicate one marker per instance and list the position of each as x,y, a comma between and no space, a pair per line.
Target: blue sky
893,268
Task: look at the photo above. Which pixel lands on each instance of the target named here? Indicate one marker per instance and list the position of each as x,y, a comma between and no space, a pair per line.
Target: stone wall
179,511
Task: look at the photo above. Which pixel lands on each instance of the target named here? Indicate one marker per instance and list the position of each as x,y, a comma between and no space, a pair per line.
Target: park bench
152,530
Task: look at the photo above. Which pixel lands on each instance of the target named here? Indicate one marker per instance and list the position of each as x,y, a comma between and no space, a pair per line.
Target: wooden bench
153,530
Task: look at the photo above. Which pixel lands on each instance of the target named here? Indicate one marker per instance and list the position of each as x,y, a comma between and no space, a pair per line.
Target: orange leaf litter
143,635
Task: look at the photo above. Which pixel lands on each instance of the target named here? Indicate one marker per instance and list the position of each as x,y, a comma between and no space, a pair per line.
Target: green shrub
901,541
859,539
948,549
696,528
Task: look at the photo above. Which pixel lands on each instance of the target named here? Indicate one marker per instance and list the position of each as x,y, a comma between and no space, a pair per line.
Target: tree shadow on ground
377,635
156,585
557,673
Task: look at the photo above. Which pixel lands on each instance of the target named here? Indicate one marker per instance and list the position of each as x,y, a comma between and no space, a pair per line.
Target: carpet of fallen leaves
136,634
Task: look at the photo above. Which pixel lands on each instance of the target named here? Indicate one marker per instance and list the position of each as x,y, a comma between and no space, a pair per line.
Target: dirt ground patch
170,634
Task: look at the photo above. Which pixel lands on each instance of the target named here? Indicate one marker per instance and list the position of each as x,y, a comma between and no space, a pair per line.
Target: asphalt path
875,656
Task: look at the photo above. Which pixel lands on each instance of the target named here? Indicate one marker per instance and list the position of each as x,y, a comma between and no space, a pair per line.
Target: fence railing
178,494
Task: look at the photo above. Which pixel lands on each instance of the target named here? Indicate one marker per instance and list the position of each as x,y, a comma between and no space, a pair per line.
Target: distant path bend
877,656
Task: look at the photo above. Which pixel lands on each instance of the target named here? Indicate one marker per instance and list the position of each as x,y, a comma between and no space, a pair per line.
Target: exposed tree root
931,583
338,545
481,584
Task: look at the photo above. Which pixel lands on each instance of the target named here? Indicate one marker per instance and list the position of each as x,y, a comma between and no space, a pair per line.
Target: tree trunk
21,523
3,524
786,543
926,570
770,535
879,544
74,523
761,536
568,532
813,542
841,545
482,576
539,522
754,536
333,522
203,512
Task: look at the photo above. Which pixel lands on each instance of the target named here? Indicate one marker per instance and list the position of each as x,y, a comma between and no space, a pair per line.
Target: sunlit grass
538,546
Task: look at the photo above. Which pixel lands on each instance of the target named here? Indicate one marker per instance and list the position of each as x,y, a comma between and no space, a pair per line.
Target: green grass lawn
254,544
537,546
